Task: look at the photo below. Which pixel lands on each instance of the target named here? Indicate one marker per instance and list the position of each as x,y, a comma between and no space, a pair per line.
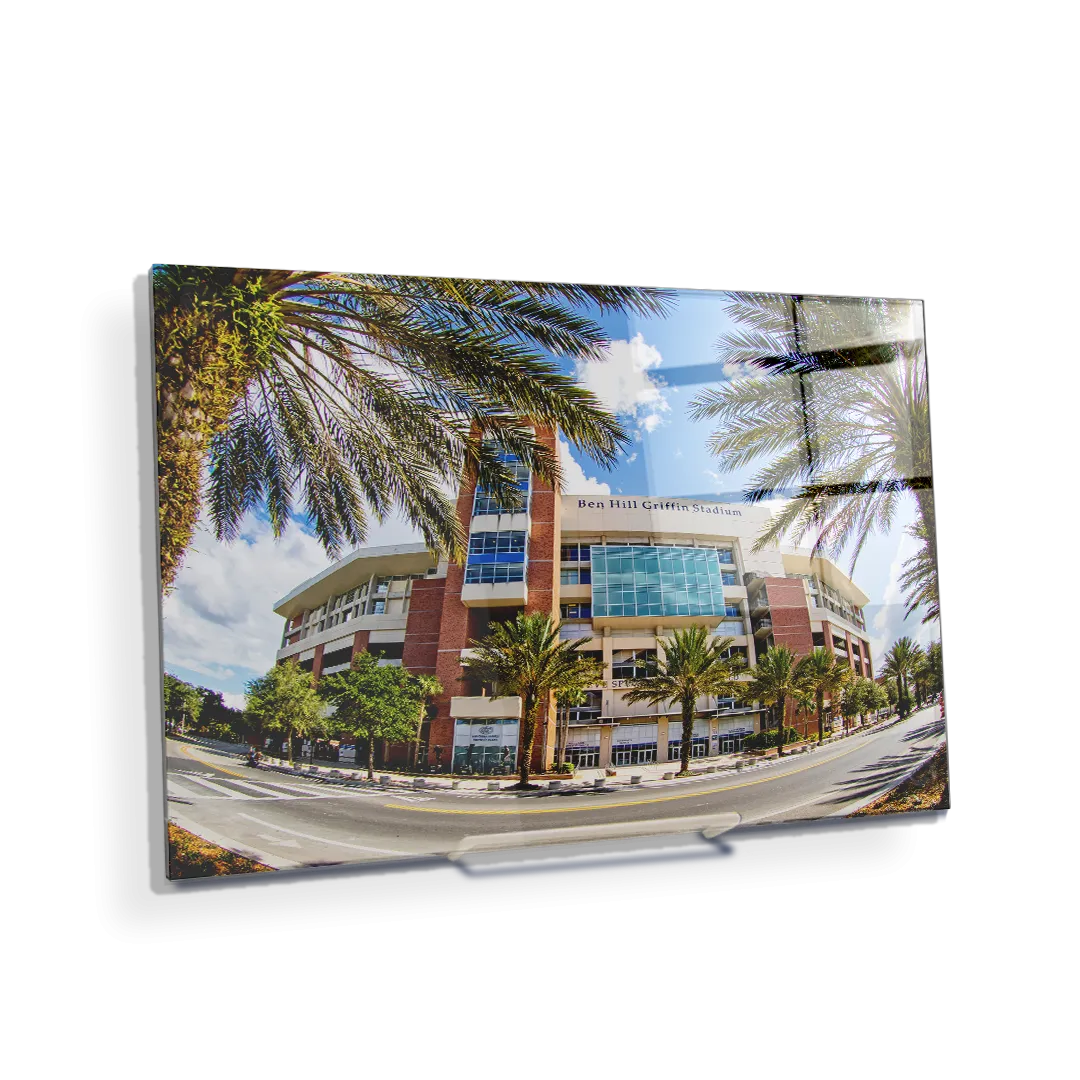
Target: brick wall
791,627
453,636
543,584
422,626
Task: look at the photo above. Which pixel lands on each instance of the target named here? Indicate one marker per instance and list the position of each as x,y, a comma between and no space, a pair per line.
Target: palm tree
804,706
919,579
526,658
772,682
691,667
901,662
565,700
364,394
822,675
935,669
844,429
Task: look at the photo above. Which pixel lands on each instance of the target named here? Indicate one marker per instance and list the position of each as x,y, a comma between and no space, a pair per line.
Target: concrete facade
687,562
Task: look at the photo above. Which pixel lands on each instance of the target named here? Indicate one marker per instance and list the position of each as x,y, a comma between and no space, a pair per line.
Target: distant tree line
197,710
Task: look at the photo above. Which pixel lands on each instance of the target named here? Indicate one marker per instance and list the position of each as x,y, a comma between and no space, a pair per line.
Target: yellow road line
213,765
632,802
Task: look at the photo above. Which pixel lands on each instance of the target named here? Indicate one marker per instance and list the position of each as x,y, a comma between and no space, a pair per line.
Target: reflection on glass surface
772,484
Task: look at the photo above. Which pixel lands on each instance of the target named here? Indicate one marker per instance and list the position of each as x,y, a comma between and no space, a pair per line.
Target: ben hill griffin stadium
623,571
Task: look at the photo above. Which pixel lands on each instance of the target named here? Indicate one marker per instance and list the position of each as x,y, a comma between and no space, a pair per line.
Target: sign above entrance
659,504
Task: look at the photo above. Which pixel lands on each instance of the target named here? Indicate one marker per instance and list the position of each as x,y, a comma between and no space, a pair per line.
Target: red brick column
543,584
360,641
316,663
422,625
453,636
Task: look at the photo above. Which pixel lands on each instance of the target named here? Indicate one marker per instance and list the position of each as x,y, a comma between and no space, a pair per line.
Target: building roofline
359,564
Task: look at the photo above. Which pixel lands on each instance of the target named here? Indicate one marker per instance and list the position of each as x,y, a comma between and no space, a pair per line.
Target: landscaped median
191,856
927,788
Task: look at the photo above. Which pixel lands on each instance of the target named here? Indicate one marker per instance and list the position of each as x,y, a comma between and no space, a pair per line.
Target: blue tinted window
658,581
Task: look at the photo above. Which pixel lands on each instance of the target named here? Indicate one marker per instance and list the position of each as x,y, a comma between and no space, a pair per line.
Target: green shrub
764,740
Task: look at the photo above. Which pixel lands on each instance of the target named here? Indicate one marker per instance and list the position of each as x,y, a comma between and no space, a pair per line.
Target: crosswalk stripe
228,792
180,792
328,792
262,790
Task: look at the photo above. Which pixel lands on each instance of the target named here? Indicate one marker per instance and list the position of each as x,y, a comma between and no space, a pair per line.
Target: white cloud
632,458
575,482
888,622
219,620
234,701
623,382
678,452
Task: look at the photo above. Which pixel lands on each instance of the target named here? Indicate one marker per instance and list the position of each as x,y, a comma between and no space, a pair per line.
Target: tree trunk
528,734
202,372
820,718
781,706
564,733
687,736
371,757
288,742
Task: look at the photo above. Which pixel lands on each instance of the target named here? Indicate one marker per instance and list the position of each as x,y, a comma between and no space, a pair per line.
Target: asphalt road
289,821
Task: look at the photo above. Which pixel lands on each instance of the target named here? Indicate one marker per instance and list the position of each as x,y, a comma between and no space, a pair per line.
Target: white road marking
279,841
227,792
323,839
177,791
262,790
267,858
325,793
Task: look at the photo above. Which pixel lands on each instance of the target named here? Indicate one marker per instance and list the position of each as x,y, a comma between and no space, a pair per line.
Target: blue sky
220,630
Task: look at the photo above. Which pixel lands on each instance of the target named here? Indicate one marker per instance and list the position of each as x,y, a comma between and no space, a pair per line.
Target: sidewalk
583,780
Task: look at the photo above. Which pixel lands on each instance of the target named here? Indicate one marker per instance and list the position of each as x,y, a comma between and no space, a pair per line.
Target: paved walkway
583,779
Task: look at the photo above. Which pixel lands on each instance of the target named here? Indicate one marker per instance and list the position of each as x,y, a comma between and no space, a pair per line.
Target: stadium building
623,571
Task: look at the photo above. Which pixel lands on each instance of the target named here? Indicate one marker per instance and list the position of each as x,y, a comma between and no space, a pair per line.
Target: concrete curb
433,784
862,803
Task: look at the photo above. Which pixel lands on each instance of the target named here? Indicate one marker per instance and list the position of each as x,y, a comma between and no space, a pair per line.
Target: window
575,611
378,607
587,712
729,577
575,577
631,663
496,547
486,503
494,574
725,555
732,611
574,552
387,650
634,753
338,656
699,748
656,581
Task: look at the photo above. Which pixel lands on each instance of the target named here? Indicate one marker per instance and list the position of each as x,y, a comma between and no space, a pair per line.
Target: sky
219,627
